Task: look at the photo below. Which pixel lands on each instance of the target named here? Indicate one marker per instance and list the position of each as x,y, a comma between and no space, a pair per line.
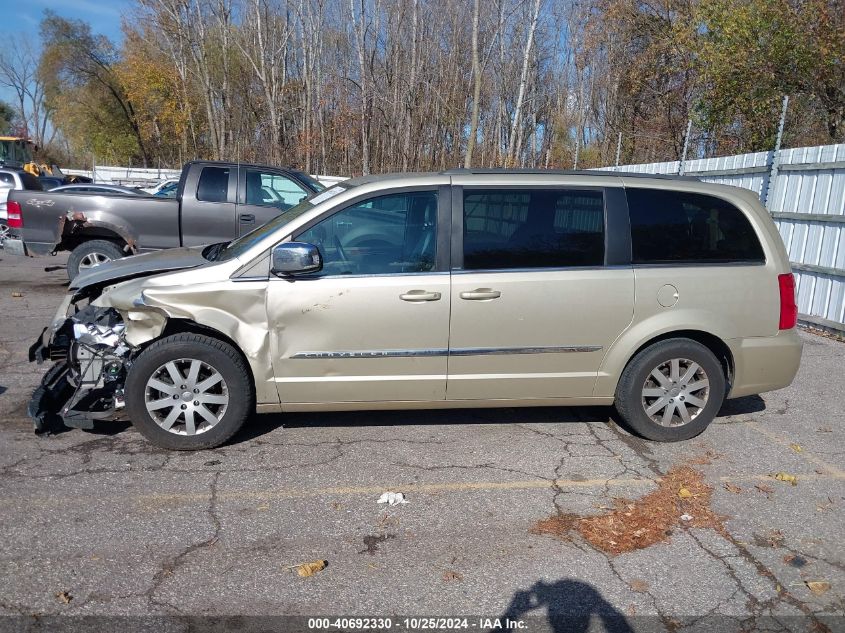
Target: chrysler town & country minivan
465,288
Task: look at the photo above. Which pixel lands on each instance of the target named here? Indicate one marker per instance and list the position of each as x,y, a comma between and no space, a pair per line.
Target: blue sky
102,15
23,16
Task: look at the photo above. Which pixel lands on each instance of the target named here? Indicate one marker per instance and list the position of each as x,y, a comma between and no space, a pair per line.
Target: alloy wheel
186,396
675,392
93,259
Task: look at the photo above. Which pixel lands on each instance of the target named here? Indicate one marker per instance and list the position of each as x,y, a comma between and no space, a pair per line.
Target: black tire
216,354
629,392
87,249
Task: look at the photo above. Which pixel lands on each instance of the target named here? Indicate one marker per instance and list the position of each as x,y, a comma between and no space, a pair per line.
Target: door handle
420,295
480,294
247,218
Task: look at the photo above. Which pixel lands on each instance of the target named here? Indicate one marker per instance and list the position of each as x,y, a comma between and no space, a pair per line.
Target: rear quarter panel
730,302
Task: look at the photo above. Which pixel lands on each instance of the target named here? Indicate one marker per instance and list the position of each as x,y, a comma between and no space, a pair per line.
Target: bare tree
516,123
265,41
19,72
476,87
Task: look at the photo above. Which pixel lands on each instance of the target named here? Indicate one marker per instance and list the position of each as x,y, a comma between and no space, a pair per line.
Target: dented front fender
235,309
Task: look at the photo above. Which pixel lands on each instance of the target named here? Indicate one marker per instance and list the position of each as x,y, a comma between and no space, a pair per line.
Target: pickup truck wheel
188,392
90,254
4,233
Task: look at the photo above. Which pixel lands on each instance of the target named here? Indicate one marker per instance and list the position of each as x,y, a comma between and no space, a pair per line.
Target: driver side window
378,236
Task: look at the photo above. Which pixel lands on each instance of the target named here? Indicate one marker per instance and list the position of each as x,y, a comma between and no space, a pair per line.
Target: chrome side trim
460,351
379,353
495,351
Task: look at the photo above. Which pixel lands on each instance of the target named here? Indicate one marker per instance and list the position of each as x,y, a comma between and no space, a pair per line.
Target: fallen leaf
638,524
764,488
824,429
640,586
16,295
684,493
818,587
452,575
733,488
65,598
787,478
795,447
263,507
309,569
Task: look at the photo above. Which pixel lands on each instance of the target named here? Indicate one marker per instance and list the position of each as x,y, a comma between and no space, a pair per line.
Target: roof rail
561,172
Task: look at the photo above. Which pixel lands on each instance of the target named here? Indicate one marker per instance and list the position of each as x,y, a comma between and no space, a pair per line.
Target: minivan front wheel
188,392
671,390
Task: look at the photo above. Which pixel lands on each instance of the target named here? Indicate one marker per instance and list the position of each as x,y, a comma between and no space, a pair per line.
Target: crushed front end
92,359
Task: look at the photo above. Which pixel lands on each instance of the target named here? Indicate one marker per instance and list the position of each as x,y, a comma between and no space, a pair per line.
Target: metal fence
804,190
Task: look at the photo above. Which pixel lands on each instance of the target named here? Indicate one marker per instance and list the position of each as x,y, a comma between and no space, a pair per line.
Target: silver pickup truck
216,202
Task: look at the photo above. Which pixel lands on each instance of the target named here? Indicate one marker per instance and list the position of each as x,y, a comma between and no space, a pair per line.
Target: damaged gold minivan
465,288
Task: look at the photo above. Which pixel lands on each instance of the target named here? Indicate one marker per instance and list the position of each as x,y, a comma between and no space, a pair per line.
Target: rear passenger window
676,227
213,185
536,228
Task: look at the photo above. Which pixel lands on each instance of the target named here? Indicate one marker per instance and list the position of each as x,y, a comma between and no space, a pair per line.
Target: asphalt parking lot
511,512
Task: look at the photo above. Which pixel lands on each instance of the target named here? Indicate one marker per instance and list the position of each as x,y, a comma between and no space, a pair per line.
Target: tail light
14,218
788,307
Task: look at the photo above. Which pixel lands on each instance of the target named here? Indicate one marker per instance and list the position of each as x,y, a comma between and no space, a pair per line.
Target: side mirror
295,258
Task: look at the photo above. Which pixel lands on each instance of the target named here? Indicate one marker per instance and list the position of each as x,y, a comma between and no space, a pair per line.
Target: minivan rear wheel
671,391
188,392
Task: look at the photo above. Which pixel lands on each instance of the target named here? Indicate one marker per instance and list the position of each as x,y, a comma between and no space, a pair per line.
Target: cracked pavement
128,529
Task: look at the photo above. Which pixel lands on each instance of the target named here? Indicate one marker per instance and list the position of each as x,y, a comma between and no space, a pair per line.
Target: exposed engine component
87,382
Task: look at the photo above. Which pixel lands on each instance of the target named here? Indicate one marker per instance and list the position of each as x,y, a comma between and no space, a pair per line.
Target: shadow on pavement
259,425
569,605
739,406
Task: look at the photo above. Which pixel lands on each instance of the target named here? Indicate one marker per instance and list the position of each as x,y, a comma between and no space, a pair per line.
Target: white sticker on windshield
328,193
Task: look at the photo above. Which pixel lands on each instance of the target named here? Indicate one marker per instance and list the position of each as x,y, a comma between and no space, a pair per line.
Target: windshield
236,248
315,184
